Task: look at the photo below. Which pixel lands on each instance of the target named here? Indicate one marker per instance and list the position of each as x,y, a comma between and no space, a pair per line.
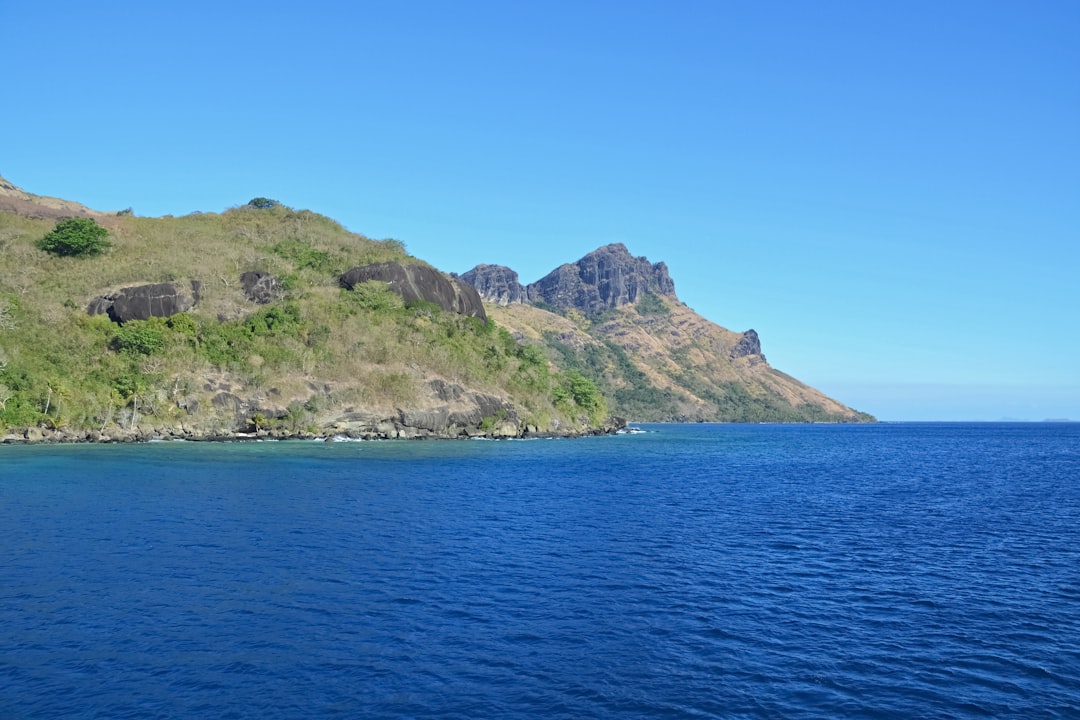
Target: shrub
396,245
276,320
649,304
305,256
584,392
140,337
184,324
374,296
127,384
76,237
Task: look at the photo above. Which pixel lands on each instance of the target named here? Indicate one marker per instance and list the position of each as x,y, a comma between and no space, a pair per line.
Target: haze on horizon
888,195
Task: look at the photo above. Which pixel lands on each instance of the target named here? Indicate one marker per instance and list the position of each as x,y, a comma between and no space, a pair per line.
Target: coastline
385,429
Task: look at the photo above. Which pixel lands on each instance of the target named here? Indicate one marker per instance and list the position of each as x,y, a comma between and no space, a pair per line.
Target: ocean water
694,571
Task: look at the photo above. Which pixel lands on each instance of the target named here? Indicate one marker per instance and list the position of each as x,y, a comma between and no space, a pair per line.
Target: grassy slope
322,353
660,361
319,353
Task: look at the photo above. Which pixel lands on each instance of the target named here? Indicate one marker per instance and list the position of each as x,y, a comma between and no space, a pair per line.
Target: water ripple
690,572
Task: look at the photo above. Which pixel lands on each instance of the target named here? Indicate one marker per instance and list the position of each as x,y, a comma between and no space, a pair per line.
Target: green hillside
317,359
247,329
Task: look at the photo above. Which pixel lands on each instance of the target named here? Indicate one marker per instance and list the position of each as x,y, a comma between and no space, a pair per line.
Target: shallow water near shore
817,571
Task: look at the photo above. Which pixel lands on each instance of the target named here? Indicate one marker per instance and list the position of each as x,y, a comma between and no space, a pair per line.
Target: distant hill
18,201
266,320
617,319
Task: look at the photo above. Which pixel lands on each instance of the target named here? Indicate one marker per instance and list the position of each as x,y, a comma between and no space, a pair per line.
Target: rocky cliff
496,284
607,278
654,358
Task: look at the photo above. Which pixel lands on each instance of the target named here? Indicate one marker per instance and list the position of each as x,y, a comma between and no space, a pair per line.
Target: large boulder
261,287
142,302
420,283
606,278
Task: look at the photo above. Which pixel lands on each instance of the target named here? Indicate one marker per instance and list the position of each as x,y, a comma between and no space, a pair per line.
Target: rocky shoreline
386,429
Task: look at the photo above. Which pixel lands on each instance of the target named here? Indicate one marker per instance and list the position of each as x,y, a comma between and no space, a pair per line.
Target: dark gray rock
142,302
227,401
604,279
99,305
483,407
435,420
446,391
748,344
261,287
496,284
419,283
490,406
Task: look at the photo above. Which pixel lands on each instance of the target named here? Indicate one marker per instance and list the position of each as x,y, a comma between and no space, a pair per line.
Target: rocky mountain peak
608,277
496,284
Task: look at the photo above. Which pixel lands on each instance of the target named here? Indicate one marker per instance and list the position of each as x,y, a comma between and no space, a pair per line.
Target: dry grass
335,352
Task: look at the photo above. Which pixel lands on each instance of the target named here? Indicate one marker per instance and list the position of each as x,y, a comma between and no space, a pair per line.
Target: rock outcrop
748,344
496,284
142,302
605,278
420,283
261,287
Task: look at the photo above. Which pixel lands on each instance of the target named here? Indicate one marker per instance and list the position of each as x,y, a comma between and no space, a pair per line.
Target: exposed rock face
605,278
143,302
496,284
260,287
417,282
748,344
461,413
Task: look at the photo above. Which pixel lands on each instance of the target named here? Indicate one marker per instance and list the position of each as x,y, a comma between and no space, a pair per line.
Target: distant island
266,321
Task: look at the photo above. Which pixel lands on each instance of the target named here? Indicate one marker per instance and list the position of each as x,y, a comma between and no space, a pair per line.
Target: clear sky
888,192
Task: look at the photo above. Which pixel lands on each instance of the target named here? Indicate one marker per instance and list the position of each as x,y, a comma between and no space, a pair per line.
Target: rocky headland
267,322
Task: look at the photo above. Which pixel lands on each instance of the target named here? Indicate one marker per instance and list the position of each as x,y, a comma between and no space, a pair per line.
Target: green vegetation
307,257
320,353
624,387
649,304
579,393
76,237
141,337
701,384
230,364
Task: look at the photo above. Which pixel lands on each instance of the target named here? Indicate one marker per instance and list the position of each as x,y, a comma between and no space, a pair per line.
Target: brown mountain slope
616,319
16,200
670,364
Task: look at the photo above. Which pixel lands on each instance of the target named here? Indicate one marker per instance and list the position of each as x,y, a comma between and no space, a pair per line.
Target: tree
76,237
261,203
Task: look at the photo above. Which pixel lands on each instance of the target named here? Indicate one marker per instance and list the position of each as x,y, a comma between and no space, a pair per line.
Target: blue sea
690,571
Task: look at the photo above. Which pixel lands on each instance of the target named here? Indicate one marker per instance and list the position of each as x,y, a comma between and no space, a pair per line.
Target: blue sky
889,193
